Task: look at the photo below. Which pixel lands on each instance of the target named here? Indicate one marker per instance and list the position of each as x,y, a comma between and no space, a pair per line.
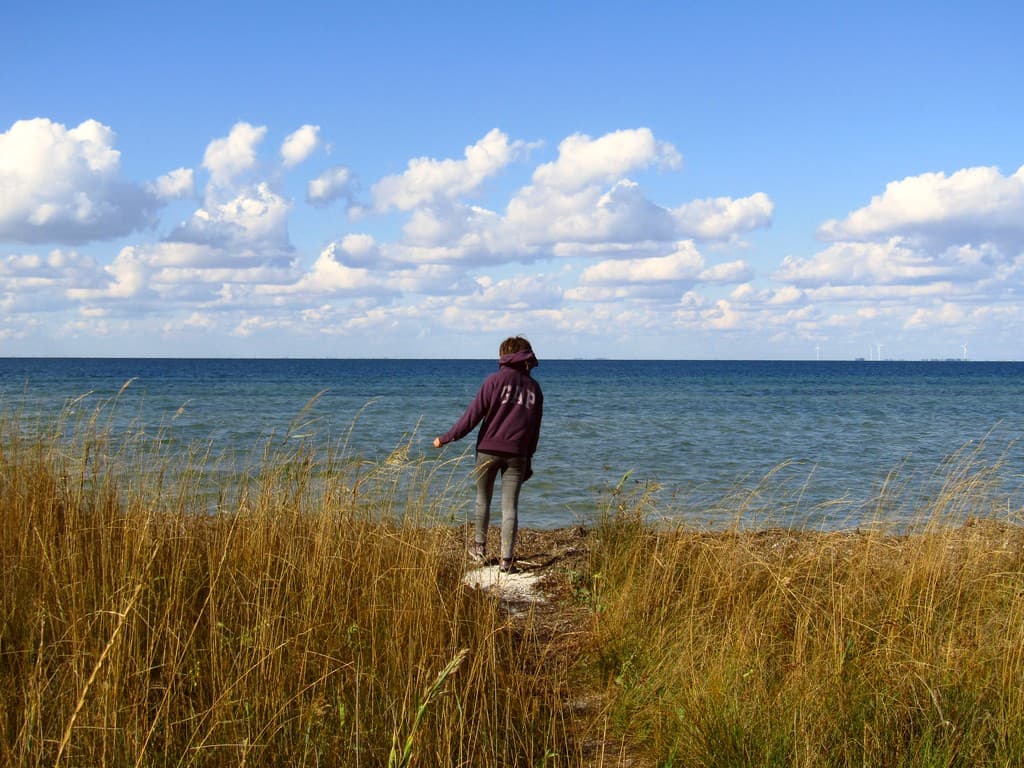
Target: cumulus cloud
60,185
583,161
427,179
788,294
335,183
183,272
255,218
896,261
358,250
125,277
586,197
299,145
350,269
439,226
972,205
901,293
604,251
658,280
723,217
177,183
32,282
519,293
931,251
721,316
728,272
329,275
860,263
582,201
683,265
945,314
542,217
228,157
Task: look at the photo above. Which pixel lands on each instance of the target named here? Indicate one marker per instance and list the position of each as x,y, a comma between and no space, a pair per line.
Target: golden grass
872,646
162,609
302,622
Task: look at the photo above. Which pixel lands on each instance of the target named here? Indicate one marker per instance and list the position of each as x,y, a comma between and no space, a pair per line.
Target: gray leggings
512,469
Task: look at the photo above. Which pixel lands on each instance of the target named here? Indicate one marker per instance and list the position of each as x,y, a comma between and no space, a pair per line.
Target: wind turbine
965,351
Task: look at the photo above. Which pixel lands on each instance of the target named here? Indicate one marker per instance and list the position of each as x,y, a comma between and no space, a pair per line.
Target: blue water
806,443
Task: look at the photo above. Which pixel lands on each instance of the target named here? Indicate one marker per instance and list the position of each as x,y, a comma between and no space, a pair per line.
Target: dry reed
883,645
293,616
160,608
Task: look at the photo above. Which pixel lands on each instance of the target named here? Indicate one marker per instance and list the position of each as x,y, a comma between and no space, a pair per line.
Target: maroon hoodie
508,408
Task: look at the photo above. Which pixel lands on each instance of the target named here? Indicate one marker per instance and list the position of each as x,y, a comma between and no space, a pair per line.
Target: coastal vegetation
162,608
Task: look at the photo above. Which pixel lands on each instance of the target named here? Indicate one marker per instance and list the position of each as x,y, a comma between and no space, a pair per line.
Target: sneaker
507,565
477,552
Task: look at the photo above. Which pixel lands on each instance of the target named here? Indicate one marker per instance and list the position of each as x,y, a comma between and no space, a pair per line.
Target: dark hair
514,344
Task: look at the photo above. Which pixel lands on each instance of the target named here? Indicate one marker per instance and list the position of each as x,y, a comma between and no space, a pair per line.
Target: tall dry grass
162,608
309,615
877,646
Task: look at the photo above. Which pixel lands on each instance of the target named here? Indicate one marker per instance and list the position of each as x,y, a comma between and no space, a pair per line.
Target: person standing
508,407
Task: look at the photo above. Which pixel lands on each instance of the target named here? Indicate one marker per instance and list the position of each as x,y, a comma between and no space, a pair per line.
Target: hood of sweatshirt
523,359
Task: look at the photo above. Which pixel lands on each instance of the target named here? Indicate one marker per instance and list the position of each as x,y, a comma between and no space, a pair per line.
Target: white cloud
127,276
945,314
541,216
354,267
202,320
727,272
584,197
183,272
63,186
845,263
548,218
233,155
722,316
683,265
358,250
723,217
577,204
329,275
601,293
177,183
902,294
32,282
333,184
583,161
519,293
255,218
300,145
788,294
931,252
972,205
607,258
427,180
57,265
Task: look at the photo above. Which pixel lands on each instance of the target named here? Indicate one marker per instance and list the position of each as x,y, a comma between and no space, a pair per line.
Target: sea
814,444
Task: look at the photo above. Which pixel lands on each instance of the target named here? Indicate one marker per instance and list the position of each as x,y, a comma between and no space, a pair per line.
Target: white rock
514,587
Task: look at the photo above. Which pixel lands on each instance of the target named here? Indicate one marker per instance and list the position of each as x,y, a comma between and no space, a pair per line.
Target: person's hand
437,442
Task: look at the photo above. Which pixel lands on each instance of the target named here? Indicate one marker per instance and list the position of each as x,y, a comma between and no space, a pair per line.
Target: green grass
160,608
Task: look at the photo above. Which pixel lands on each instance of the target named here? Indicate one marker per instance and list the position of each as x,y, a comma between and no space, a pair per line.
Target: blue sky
730,180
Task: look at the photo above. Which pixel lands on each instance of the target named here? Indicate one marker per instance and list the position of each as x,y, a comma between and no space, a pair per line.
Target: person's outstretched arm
472,416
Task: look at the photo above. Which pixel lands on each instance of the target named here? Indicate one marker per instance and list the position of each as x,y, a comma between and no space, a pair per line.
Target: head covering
524,358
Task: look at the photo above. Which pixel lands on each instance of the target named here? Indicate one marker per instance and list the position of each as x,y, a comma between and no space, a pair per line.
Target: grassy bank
311,612
779,647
